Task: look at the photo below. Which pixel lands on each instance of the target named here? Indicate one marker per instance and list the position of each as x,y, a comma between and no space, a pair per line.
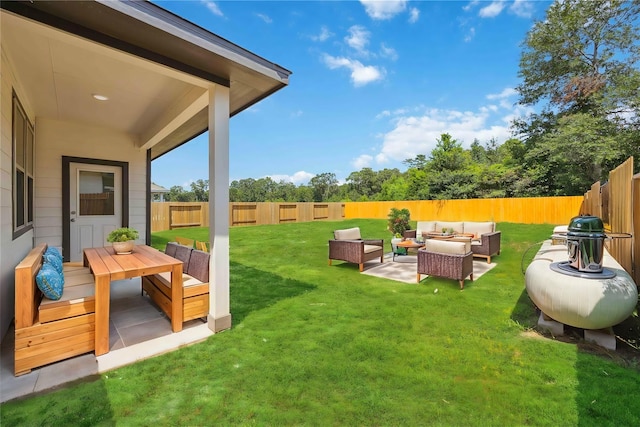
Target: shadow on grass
598,399
253,290
84,402
524,312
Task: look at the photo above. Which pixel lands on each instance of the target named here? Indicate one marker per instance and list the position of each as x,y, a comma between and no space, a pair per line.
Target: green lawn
319,345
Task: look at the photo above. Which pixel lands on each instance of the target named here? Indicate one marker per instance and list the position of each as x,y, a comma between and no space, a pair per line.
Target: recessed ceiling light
100,97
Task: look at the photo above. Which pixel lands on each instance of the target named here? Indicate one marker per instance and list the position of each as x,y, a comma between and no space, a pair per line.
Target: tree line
579,71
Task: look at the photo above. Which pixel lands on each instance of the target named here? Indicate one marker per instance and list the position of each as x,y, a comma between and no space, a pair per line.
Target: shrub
123,234
398,221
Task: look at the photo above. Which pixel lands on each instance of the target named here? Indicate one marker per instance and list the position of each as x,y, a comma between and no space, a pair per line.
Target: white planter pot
121,248
394,242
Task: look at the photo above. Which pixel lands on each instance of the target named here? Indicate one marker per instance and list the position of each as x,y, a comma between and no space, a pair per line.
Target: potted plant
397,224
448,231
122,239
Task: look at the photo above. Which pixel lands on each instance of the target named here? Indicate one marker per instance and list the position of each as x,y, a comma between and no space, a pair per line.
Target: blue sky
373,83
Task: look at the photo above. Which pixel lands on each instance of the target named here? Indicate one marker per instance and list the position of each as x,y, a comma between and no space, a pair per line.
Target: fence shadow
83,402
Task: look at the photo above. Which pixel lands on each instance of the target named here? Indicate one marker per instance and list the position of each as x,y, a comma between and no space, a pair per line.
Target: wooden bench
48,331
195,281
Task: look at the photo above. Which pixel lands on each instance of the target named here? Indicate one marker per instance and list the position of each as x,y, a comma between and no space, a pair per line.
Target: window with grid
23,159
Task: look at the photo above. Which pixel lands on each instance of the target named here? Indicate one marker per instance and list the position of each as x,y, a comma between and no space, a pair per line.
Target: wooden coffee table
410,244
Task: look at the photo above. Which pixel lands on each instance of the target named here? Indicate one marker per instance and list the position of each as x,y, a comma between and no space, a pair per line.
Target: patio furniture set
62,309
443,254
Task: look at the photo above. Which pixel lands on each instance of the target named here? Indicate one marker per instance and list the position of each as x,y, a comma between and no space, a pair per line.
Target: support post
219,317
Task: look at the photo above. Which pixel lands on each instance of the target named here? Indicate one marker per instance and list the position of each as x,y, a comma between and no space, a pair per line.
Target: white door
95,204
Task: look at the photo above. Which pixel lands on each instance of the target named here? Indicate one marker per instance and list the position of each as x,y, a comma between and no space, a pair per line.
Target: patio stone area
138,330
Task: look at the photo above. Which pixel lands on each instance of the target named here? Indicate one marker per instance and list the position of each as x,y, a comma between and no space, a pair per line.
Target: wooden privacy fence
278,213
170,215
618,204
525,210
532,210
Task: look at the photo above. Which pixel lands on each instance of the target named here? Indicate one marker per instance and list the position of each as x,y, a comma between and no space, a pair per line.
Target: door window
96,193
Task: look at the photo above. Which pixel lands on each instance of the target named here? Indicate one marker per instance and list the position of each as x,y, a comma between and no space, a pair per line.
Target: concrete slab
128,332
547,323
602,337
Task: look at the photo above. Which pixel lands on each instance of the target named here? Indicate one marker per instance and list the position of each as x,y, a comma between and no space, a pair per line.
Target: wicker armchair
348,246
452,260
488,246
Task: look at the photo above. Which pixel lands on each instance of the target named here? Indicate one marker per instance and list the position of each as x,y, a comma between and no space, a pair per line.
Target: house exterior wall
11,251
55,139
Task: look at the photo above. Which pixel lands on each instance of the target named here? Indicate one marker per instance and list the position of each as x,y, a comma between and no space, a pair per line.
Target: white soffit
60,73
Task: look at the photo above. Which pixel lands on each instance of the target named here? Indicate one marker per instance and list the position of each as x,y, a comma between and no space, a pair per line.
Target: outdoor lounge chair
348,246
487,246
452,260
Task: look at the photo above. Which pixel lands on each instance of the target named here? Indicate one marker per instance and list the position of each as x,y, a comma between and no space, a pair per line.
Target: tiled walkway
138,330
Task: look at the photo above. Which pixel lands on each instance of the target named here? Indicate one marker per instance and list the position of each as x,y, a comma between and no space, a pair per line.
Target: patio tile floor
138,330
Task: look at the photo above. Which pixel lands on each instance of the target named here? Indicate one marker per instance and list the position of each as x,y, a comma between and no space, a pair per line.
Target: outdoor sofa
485,240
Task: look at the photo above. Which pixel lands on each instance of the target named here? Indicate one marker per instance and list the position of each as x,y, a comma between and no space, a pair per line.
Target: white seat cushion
479,228
425,227
165,279
347,234
72,294
74,269
444,247
371,248
458,226
73,280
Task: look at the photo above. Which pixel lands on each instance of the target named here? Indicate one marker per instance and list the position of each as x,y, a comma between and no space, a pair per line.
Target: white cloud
418,135
503,97
324,35
385,113
522,8
470,35
360,74
300,177
363,161
388,52
383,9
264,17
213,7
470,5
506,93
492,10
414,134
414,14
296,114
358,38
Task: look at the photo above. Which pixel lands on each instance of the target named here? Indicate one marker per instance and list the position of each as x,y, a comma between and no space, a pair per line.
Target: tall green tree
450,175
200,190
363,183
325,186
178,194
579,66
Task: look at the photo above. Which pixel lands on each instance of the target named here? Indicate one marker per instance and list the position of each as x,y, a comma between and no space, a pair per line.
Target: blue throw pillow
55,252
50,282
54,261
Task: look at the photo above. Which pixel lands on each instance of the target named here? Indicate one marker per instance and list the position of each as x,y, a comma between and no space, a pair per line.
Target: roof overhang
155,67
